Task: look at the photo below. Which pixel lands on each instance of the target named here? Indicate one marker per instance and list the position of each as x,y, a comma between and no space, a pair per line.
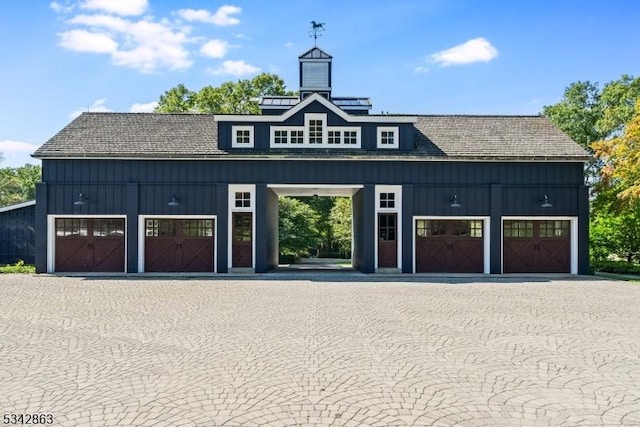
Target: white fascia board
301,105
18,206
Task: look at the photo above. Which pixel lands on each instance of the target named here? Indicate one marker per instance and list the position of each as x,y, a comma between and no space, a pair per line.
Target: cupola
315,73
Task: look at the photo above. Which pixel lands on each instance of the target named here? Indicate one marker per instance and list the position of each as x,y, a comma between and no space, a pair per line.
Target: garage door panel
108,254
554,255
536,246
89,245
430,257
468,255
72,255
179,245
197,255
449,246
160,254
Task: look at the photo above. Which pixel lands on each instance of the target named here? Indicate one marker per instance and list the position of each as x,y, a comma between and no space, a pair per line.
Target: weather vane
316,27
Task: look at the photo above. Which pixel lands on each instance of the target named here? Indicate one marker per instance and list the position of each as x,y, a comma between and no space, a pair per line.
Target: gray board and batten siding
17,233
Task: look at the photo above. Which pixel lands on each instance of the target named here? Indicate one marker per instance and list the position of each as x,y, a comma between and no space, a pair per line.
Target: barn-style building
137,193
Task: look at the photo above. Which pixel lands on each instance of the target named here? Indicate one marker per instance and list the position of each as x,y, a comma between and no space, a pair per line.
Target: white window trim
307,125
397,190
325,134
142,236
232,190
288,129
396,137
234,136
486,236
573,226
51,236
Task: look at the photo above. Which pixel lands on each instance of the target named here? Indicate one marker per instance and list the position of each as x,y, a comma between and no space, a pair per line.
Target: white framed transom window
388,137
315,134
242,136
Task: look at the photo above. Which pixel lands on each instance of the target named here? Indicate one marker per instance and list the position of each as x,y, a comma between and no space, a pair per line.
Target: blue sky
410,56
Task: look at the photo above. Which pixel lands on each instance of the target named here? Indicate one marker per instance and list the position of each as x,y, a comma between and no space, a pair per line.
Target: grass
19,267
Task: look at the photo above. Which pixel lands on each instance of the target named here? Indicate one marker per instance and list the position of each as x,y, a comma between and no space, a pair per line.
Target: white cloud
118,7
215,48
61,8
288,44
145,45
474,50
221,17
144,108
421,69
9,147
85,41
97,107
234,68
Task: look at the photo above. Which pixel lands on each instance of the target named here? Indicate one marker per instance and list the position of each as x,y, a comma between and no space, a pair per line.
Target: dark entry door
387,240
449,246
242,238
89,244
537,246
179,245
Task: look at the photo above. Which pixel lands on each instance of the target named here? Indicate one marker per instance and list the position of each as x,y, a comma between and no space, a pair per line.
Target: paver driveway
326,351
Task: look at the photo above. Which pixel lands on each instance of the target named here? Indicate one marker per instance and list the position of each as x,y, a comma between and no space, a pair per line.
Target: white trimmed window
242,136
315,123
315,134
388,137
335,137
387,200
242,199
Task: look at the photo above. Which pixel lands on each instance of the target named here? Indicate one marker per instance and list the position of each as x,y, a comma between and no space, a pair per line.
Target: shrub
19,267
618,267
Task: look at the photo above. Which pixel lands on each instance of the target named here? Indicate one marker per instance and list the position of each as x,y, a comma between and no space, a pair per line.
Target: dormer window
388,137
242,137
315,134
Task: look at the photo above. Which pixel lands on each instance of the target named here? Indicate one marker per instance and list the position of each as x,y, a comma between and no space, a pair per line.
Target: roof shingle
151,135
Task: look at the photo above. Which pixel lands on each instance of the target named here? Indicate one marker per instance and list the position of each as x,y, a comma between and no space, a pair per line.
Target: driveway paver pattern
322,350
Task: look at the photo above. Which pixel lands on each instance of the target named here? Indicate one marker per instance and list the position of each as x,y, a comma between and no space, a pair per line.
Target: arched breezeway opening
317,259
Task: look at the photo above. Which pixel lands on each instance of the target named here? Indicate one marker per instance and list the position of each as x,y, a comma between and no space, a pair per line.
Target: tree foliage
607,123
588,114
241,97
621,159
340,219
18,184
297,231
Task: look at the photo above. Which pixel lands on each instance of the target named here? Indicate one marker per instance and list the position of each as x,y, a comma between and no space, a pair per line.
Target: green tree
241,97
297,232
178,99
18,184
620,157
340,219
322,207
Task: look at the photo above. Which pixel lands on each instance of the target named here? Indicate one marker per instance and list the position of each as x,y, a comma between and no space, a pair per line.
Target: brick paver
325,350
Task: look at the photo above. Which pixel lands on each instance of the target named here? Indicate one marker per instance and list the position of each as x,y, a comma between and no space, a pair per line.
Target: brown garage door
449,246
179,245
537,246
89,244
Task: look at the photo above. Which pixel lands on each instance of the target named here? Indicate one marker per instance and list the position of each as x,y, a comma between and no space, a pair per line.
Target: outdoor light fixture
174,201
454,201
544,203
82,200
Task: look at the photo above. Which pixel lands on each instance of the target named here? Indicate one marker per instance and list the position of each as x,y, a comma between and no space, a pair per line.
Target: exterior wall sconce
82,200
454,201
174,201
544,203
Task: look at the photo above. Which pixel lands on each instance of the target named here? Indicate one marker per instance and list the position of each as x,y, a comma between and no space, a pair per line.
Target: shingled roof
147,135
